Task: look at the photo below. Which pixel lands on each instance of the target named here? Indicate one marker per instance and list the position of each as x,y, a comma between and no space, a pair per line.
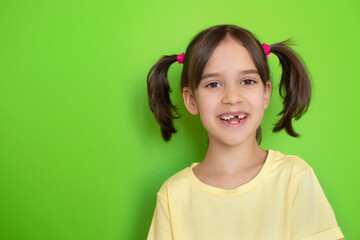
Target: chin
233,141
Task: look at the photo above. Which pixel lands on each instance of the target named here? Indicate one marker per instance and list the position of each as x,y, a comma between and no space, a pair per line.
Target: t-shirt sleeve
160,228
312,216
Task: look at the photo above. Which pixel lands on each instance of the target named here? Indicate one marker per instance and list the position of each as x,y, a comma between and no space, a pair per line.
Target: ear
189,101
267,94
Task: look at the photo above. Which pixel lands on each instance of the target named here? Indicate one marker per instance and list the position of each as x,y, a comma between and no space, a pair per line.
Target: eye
213,85
248,82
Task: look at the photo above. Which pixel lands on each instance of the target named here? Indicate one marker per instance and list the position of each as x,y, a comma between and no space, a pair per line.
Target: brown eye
213,85
248,82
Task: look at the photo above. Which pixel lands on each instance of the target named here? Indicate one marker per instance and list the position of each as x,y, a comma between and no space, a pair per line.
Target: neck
228,160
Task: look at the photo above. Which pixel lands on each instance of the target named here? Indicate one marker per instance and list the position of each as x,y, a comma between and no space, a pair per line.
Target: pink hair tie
267,50
180,58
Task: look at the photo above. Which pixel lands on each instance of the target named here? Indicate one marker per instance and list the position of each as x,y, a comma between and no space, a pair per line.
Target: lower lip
233,125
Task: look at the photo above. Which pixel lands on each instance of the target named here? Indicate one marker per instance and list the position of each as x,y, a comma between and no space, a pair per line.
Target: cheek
206,103
207,111
258,105
257,98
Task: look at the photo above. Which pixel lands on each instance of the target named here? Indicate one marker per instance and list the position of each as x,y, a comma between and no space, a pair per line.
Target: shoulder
290,168
178,181
292,163
295,171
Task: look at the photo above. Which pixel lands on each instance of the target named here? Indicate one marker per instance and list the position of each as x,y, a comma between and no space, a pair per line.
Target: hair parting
158,89
295,86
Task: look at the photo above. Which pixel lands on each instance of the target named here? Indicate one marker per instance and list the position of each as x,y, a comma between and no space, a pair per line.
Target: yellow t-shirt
284,201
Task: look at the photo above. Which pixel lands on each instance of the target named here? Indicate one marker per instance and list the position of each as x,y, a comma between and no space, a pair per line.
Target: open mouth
233,118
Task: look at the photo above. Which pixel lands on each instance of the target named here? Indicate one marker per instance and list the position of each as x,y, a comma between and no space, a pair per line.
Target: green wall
81,155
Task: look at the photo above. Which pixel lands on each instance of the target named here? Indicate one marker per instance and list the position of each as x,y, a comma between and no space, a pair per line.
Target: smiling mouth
233,118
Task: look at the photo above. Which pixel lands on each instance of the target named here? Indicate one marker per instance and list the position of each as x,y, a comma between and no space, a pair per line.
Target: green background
81,156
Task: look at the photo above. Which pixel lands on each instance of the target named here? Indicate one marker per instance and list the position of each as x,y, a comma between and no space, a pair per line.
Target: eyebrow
208,75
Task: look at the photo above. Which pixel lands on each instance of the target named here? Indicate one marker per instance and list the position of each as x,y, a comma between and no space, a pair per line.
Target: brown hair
295,87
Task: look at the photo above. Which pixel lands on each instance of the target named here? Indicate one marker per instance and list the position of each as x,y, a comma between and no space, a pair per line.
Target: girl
238,191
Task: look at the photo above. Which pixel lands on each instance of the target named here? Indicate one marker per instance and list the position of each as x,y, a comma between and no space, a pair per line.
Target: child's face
231,97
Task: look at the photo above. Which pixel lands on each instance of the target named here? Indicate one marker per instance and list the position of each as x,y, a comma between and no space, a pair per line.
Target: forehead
229,56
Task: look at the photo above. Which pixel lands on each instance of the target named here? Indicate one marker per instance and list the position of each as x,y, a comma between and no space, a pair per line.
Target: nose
232,95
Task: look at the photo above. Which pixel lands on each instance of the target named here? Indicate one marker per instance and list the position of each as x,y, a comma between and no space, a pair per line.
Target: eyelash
211,85
245,82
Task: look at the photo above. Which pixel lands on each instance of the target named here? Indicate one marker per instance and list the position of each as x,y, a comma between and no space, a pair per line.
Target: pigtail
295,86
158,96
